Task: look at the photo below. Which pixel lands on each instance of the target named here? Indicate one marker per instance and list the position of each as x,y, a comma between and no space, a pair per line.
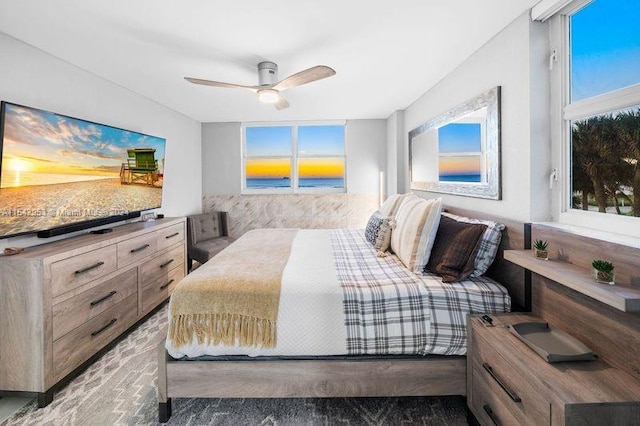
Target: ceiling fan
269,87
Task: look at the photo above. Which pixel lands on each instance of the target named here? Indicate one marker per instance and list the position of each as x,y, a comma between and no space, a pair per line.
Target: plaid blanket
390,310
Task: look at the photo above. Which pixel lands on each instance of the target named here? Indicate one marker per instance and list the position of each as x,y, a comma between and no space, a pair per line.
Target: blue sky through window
321,140
459,137
268,141
605,47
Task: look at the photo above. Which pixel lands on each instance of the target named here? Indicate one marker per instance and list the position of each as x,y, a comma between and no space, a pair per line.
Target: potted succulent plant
603,272
540,249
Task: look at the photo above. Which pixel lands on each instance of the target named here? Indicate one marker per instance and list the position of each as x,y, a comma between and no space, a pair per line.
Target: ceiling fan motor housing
267,73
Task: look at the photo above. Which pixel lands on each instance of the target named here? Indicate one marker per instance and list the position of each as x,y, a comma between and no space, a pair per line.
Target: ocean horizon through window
294,158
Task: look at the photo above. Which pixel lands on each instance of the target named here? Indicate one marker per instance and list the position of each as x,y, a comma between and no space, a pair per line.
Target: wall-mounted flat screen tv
61,174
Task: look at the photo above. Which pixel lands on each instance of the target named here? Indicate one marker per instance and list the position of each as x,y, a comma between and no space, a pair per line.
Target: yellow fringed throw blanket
234,297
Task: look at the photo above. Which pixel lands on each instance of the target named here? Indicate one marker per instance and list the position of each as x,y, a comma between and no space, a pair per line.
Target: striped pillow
391,205
416,226
489,242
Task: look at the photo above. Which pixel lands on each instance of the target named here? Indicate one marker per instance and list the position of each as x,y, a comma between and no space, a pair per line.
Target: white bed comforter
311,315
310,318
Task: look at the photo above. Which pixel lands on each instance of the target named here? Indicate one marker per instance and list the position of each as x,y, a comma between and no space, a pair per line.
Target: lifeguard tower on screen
141,167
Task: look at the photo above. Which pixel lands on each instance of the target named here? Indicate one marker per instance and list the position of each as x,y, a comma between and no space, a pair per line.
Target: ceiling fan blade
281,104
219,84
303,77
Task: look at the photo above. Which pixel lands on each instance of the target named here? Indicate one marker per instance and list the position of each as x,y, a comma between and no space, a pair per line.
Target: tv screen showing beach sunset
459,149
57,170
270,156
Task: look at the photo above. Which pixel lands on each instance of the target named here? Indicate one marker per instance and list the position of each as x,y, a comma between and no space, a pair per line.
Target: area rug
120,389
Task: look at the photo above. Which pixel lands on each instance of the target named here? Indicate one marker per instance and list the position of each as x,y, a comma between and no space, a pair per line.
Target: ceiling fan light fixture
268,96
269,88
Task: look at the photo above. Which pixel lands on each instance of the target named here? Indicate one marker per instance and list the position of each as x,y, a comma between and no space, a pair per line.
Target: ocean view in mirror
460,178
302,183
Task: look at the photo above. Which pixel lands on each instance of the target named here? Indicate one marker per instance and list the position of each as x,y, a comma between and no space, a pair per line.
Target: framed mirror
458,152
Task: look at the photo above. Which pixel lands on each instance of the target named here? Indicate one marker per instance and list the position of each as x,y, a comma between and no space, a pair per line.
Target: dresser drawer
79,309
75,271
170,235
160,288
489,406
137,248
75,347
507,389
161,264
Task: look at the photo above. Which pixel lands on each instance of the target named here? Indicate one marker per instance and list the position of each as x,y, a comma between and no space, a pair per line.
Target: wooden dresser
509,384
61,302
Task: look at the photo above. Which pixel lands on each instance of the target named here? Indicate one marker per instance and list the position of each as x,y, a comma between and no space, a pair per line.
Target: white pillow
416,227
392,203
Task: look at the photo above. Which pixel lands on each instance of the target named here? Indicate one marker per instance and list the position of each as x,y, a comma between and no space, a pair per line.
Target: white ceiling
386,53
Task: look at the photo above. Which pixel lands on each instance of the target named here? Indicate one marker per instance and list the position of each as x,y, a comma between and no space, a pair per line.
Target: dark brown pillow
454,250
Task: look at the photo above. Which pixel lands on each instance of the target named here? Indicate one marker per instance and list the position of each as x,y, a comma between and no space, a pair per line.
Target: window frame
482,153
294,189
563,112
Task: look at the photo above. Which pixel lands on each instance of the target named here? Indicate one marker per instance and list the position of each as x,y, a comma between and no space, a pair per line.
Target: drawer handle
512,395
172,235
102,299
167,263
491,414
88,268
135,250
167,284
107,325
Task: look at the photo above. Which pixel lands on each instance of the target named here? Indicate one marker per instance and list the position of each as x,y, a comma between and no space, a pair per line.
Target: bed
349,323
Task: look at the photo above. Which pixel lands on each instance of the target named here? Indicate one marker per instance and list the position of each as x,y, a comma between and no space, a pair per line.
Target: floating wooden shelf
579,279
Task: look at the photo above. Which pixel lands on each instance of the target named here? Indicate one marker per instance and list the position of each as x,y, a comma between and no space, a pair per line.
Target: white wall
31,77
516,60
221,157
366,155
395,137
540,125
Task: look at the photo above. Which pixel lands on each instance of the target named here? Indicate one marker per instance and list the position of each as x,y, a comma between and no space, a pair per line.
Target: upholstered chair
208,235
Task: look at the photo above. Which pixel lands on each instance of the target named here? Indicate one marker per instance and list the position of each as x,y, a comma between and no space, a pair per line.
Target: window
268,157
604,48
596,85
294,158
461,151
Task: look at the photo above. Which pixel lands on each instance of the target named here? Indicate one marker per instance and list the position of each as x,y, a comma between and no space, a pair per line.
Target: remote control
101,231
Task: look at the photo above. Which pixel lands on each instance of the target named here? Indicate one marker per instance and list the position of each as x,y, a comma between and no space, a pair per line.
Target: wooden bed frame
328,377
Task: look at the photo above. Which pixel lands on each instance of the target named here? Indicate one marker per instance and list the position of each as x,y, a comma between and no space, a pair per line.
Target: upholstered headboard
506,273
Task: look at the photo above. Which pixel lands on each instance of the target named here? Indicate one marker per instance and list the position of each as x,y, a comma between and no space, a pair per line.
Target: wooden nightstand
509,384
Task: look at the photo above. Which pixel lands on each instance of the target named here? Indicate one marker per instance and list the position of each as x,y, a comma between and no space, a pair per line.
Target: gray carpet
120,389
